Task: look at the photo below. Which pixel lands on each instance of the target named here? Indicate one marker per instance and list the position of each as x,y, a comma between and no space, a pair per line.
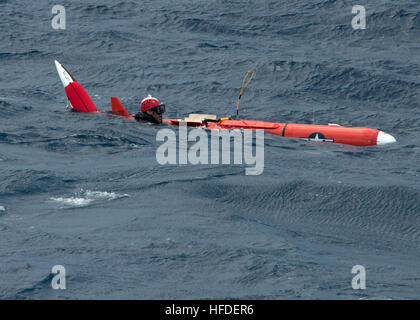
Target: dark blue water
86,192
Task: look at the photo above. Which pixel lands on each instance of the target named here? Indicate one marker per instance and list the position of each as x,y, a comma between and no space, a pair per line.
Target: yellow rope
245,83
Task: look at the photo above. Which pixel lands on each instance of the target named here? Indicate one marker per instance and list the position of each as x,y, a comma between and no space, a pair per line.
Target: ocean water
86,191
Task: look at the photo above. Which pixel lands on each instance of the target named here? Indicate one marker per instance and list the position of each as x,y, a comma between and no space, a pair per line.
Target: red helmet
149,103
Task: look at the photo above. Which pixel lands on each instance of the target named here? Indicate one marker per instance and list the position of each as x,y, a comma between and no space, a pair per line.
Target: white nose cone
65,77
384,138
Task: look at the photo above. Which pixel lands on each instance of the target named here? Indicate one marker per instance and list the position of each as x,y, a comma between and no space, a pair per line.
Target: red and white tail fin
76,94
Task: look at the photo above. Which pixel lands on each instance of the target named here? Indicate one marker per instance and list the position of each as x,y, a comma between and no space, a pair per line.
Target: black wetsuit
145,117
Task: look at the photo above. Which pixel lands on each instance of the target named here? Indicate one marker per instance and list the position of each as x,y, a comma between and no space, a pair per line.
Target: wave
31,53
72,142
41,285
389,212
116,10
85,198
342,83
10,109
18,182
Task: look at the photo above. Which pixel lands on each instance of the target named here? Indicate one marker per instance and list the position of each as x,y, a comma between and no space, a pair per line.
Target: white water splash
2,209
85,198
